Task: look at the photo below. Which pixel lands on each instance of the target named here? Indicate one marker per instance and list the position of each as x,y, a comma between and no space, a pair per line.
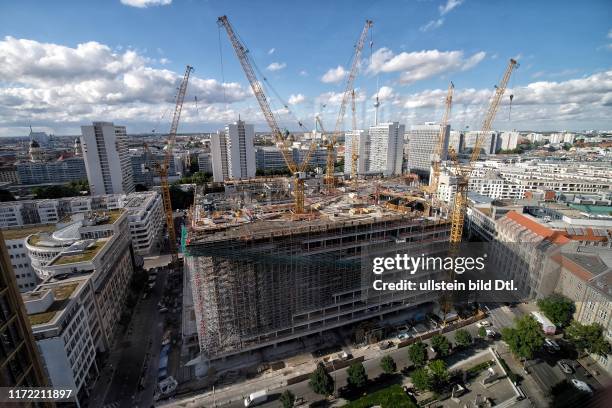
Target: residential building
271,158
205,162
60,171
385,153
218,149
8,174
20,364
423,141
142,166
362,145
107,158
237,161
507,141
146,220
488,141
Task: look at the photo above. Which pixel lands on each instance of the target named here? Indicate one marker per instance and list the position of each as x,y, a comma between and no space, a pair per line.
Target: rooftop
23,232
62,294
82,256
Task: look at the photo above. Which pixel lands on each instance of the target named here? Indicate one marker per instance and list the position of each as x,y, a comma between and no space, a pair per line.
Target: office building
205,162
20,364
386,148
107,158
423,141
232,151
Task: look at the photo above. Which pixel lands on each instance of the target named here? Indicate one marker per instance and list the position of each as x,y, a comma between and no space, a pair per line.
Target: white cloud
276,66
385,93
296,99
449,6
145,3
419,65
334,75
432,25
334,98
164,61
271,51
50,83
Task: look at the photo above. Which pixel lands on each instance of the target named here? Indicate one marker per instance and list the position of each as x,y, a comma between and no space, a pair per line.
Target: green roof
61,294
593,209
22,232
87,255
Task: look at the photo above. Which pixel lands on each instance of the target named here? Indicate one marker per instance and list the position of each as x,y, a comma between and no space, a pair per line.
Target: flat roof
23,232
61,293
86,255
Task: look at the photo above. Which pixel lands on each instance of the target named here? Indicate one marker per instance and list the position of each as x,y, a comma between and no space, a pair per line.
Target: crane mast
331,144
165,166
354,147
437,155
463,171
298,172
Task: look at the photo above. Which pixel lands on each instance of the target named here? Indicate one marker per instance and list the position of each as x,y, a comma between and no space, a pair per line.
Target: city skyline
47,79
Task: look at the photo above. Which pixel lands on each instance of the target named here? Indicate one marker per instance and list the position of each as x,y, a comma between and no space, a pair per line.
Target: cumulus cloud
334,75
276,66
385,93
145,3
335,98
419,65
55,83
296,99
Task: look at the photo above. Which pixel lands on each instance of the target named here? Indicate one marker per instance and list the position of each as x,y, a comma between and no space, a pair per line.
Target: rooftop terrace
61,294
23,232
86,255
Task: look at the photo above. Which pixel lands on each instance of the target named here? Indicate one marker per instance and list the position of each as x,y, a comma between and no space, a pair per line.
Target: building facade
386,149
423,141
107,158
233,153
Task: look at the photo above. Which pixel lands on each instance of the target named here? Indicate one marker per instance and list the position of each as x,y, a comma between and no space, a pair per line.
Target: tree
6,195
463,338
525,338
558,309
357,377
320,381
482,332
388,365
418,354
421,379
287,398
438,374
440,344
180,199
588,337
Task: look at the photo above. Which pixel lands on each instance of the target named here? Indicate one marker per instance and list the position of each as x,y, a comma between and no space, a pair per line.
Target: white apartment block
362,145
205,162
14,239
507,140
233,154
423,141
488,141
145,210
107,158
386,148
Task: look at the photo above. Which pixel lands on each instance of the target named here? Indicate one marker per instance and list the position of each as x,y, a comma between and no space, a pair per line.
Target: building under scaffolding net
260,276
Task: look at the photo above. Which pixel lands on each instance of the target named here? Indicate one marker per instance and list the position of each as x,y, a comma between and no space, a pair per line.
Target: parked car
385,345
163,309
491,333
551,346
403,336
484,323
565,367
581,385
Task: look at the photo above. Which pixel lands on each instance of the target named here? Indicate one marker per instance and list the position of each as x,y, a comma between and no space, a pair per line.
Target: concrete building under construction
261,276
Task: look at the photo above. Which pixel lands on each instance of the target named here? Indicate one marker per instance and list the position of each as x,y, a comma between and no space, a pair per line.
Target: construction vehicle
354,146
333,138
436,162
282,140
163,168
462,171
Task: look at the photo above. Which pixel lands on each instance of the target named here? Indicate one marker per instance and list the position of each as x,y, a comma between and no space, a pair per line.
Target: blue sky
66,63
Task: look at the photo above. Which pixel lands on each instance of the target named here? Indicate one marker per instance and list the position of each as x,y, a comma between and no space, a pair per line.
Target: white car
582,386
491,333
484,323
551,345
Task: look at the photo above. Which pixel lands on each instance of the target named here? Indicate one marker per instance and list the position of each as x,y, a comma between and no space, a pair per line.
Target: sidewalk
598,373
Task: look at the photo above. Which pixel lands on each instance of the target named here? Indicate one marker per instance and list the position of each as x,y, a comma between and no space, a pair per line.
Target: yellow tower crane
298,172
354,146
332,139
163,168
462,172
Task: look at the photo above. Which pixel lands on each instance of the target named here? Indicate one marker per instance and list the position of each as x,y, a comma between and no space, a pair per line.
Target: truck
256,398
547,326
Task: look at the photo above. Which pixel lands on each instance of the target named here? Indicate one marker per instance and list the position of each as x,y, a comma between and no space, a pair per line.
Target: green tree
558,309
588,337
440,344
525,338
287,398
357,377
6,195
482,332
418,354
421,379
463,338
438,374
388,365
320,381
179,198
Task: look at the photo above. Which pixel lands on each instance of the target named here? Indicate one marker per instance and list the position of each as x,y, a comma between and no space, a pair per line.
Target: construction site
262,275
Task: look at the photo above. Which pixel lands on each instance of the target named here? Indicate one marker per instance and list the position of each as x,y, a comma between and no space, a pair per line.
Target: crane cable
222,69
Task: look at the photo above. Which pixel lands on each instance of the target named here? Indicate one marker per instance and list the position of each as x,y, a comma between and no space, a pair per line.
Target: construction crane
462,172
298,172
354,147
432,188
331,142
163,168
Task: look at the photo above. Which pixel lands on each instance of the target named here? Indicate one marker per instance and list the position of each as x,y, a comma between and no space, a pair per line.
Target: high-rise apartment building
233,153
19,361
386,148
360,138
107,158
423,140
